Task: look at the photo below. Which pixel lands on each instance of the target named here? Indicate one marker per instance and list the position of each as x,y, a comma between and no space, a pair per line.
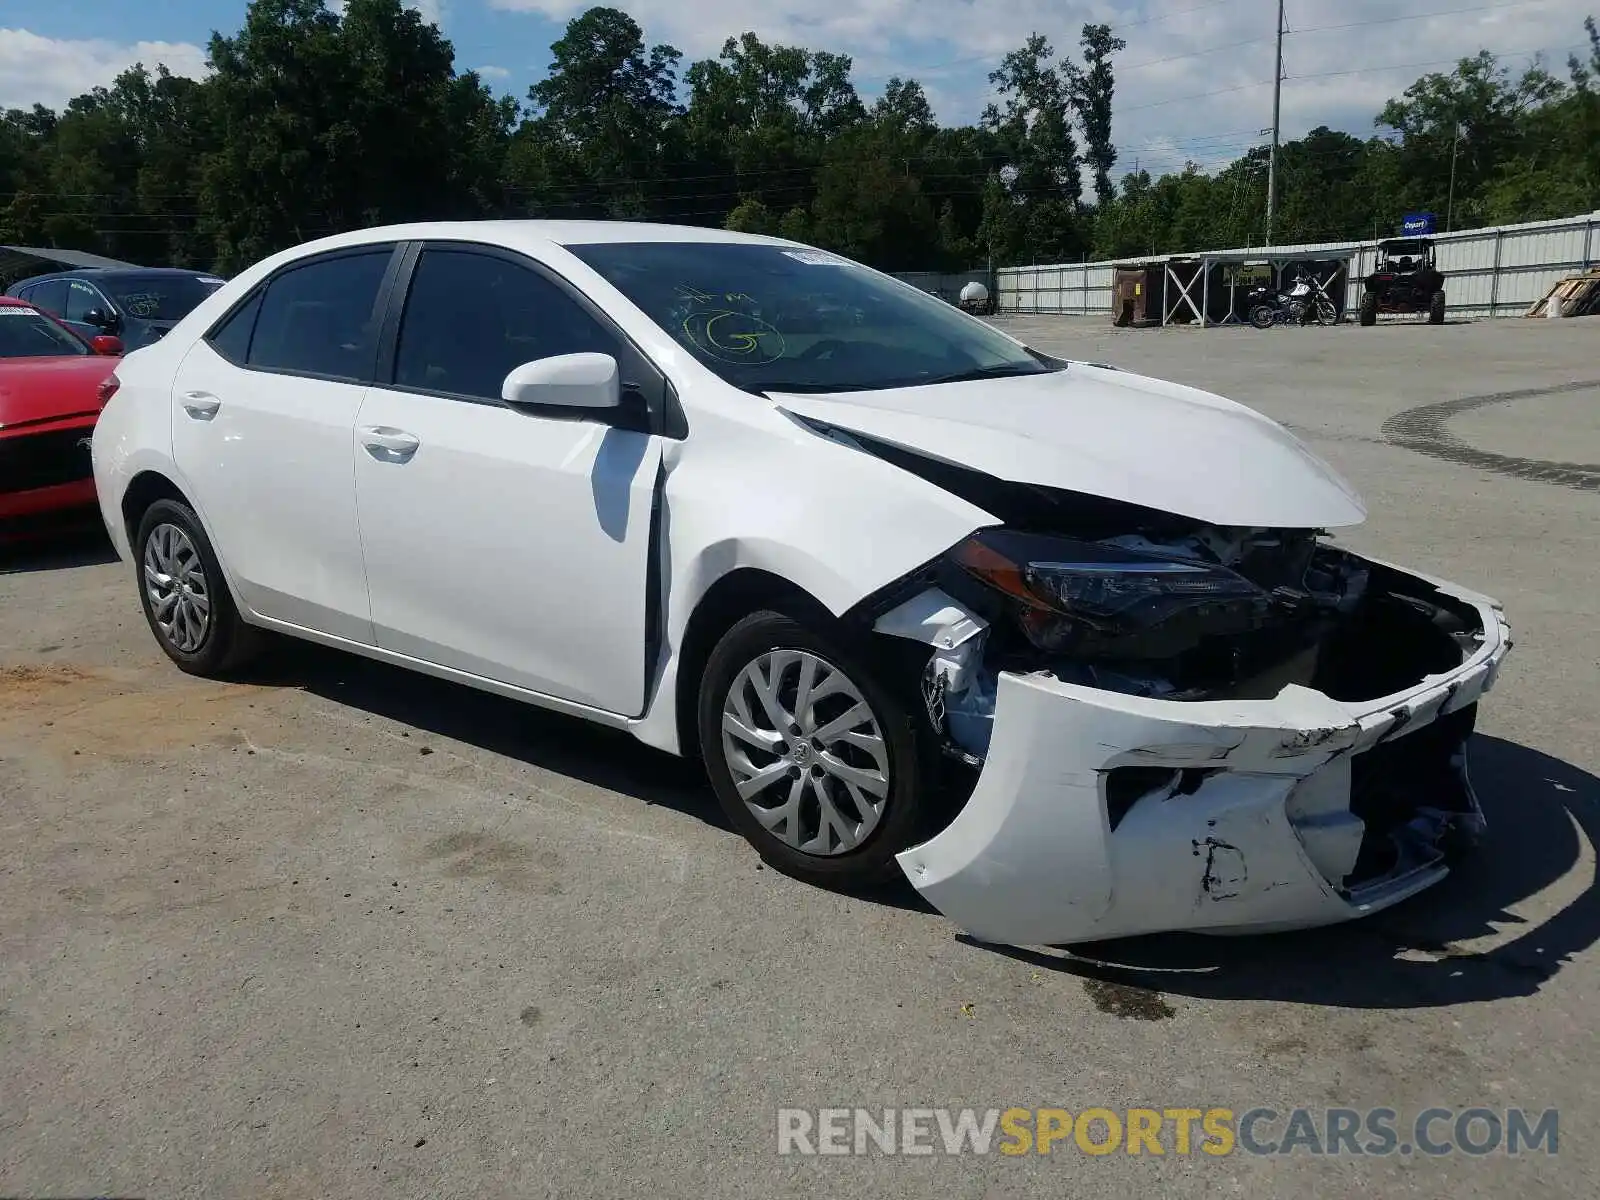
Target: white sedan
1068,647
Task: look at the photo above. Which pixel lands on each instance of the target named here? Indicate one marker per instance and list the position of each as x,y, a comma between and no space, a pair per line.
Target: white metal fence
1495,272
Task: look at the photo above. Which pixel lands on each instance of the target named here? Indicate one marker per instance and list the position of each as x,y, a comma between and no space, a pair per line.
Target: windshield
786,319
28,333
159,297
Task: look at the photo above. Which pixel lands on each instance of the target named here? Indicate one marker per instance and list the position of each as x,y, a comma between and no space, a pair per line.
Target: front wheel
1262,316
1436,309
1369,310
814,760
1327,314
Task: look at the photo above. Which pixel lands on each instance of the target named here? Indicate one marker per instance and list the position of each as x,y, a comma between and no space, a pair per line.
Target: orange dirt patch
64,708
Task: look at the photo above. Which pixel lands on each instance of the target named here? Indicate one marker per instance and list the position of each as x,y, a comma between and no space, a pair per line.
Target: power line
1331,74
1437,62
1422,16
992,55
1156,62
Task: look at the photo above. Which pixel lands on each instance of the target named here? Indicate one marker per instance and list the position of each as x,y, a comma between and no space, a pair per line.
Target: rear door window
320,318
50,295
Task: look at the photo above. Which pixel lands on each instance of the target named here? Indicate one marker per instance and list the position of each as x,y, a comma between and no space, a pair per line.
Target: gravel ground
342,931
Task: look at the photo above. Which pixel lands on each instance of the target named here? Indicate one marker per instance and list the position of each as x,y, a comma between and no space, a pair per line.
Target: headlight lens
1106,588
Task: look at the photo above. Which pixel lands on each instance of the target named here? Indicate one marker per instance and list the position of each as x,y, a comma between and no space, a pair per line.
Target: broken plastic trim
951,687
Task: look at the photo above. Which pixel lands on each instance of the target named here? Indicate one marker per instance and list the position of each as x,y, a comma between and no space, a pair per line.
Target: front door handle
387,444
201,406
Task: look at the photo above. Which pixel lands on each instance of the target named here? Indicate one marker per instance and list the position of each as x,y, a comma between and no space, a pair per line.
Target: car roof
534,233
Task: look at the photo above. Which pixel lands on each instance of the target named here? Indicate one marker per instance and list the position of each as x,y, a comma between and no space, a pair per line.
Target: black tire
1369,310
227,642
906,806
1327,313
1262,316
1436,309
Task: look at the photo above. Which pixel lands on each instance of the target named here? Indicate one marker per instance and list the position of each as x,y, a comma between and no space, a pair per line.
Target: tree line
311,122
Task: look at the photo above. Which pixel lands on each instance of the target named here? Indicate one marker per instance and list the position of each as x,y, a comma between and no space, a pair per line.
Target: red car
53,385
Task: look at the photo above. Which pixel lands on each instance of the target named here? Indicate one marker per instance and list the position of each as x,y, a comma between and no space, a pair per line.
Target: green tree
604,112
1092,89
1033,124
323,123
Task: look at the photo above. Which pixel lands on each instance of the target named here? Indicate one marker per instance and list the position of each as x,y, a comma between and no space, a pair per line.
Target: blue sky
1194,82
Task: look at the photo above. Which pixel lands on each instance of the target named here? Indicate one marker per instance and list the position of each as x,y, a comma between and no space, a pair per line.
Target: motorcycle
1304,302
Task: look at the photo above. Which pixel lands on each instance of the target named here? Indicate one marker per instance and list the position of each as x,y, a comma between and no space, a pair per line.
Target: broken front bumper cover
1259,835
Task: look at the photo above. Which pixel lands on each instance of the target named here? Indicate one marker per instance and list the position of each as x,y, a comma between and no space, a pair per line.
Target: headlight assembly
1067,590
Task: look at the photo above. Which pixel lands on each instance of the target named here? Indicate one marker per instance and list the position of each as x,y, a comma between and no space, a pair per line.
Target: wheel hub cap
175,585
806,752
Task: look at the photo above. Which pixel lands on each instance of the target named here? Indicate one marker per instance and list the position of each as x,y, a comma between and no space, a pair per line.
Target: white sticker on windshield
17,310
817,258
212,279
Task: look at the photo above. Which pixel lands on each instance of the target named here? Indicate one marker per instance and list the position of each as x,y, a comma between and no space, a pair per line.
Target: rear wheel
184,595
1262,316
1369,309
1436,309
813,759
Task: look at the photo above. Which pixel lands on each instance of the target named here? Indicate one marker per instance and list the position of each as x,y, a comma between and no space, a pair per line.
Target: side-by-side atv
1406,280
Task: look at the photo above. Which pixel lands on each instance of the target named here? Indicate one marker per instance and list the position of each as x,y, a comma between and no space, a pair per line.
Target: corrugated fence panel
1469,292
1522,287
1489,272
1544,247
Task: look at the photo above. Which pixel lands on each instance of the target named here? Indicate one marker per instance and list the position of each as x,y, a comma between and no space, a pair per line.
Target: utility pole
1450,204
1277,98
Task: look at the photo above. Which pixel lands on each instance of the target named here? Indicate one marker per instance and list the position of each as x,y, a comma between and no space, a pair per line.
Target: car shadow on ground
569,746
84,545
1541,812
578,749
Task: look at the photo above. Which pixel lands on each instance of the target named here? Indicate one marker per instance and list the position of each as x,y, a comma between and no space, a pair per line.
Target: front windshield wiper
1000,371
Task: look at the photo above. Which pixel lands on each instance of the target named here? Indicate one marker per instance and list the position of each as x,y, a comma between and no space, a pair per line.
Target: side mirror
104,343
564,381
100,319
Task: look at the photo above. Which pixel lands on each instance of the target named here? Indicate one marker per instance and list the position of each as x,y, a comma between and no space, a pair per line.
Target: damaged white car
1069,647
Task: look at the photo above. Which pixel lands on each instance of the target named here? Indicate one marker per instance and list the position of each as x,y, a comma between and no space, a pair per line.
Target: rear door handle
387,444
202,406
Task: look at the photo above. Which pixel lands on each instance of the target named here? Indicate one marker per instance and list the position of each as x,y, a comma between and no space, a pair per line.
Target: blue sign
1416,224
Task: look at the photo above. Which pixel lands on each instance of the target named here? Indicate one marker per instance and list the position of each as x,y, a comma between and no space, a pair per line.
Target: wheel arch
734,596
143,490
151,484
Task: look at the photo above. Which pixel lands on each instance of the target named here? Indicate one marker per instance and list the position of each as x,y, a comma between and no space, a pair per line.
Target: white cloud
50,71
494,72
1172,102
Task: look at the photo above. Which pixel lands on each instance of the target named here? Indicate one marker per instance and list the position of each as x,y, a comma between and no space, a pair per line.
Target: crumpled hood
1111,434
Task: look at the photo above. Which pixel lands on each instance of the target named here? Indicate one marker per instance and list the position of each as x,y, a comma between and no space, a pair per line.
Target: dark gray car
137,304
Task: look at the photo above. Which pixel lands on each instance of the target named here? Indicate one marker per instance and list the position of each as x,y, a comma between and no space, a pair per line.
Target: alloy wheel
806,752
175,584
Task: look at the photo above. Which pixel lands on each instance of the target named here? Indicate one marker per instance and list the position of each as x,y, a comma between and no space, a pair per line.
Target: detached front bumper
1252,819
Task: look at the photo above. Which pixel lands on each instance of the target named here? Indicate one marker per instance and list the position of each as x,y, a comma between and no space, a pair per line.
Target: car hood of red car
48,389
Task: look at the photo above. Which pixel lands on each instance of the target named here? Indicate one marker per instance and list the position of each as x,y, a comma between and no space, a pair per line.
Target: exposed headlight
1066,589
